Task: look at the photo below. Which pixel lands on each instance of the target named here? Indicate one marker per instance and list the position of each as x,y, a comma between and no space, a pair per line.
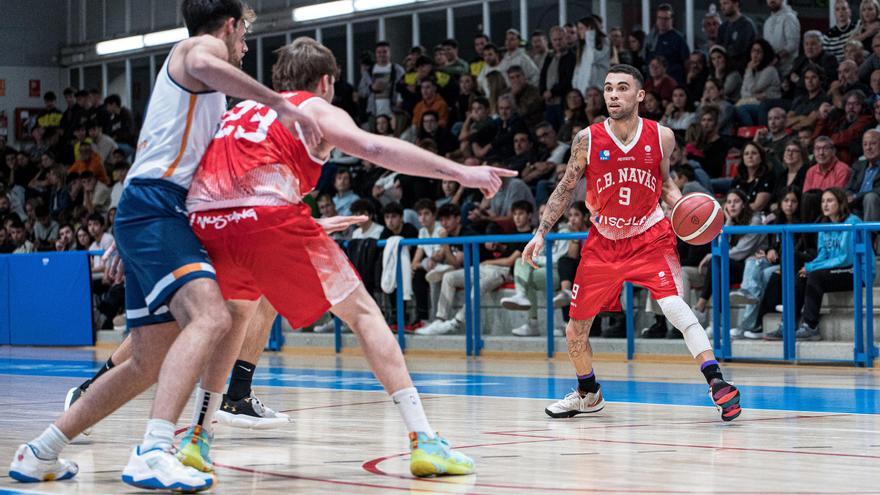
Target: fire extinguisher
4,124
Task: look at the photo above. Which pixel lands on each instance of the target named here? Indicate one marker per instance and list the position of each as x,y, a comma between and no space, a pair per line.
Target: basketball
697,218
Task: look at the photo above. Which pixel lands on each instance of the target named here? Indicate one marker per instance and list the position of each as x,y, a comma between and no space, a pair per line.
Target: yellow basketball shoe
195,447
434,457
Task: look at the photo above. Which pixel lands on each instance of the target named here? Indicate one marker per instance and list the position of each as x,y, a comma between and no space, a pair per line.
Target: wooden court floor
805,430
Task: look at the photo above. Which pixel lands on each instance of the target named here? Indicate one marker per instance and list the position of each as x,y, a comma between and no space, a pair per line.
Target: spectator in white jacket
783,31
516,55
593,55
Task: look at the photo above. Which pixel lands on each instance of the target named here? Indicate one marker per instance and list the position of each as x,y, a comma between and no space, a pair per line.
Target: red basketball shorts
279,253
649,259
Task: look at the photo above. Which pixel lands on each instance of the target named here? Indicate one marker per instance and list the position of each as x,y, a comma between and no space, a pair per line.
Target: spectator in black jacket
863,190
556,74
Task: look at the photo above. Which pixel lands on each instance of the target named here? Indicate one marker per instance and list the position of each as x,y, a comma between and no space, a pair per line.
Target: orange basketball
697,218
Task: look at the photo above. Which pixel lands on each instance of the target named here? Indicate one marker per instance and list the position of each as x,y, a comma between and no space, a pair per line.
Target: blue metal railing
471,264
864,350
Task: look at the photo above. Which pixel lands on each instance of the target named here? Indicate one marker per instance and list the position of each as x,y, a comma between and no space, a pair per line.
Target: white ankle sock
207,403
410,406
160,434
50,443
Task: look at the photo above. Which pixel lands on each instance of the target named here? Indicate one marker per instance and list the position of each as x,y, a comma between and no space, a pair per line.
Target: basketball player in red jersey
626,163
246,208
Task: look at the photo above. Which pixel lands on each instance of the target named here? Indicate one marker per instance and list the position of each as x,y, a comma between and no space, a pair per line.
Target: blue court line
784,398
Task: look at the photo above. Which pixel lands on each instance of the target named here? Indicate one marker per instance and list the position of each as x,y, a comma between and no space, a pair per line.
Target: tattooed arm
560,200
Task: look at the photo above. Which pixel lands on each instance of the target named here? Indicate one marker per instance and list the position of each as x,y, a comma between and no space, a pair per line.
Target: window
164,14
364,45
468,23
94,20
543,15
139,93
628,16
116,81
334,39
432,29
74,78
92,78
140,16
115,19
270,44
504,15
398,32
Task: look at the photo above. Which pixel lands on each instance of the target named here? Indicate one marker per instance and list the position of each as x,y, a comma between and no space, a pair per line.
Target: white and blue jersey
153,236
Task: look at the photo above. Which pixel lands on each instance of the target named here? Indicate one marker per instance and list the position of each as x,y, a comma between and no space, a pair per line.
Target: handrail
864,350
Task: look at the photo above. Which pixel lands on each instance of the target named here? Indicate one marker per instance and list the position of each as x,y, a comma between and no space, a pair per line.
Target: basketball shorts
278,252
649,259
157,247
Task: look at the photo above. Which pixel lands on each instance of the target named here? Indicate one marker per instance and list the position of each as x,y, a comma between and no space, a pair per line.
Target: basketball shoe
249,412
726,398
573,404
434,457
28,467
158,469
73,395
195,448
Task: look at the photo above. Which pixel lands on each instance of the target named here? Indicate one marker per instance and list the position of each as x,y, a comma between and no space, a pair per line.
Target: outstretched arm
400,156
560,200
206,59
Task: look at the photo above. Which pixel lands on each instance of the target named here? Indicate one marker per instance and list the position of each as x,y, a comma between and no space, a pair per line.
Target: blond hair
302,64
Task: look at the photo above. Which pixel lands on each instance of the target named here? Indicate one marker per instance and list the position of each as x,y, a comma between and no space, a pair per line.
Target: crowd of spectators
763,115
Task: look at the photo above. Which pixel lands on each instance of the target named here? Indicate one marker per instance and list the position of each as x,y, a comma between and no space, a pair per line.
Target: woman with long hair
794,161
753,177
497,87
832,268
680,111
760,289
83,239
736,212
761,83
595,104
713,97
593,55
869,22
635,42
653,107
574,113
722,71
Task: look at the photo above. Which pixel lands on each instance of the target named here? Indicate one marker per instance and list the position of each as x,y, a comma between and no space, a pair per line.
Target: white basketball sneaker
573,404
158,469
28,468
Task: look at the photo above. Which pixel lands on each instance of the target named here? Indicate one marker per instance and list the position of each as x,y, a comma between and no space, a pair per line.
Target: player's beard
623,113
235,56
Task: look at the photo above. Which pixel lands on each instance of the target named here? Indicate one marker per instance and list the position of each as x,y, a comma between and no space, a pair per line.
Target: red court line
695,446
675,423
336,482
372,466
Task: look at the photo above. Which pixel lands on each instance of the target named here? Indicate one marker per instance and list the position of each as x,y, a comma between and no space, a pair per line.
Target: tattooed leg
577,335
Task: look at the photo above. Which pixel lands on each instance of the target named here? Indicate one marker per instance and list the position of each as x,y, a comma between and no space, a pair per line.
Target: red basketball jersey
254,160
623,181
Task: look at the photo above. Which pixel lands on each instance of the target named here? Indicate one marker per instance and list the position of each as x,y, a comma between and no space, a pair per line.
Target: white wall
51,79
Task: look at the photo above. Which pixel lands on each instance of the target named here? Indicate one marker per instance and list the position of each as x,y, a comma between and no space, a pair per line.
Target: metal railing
864,350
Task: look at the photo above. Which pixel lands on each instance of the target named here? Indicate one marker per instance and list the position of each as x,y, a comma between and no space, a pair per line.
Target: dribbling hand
536,245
